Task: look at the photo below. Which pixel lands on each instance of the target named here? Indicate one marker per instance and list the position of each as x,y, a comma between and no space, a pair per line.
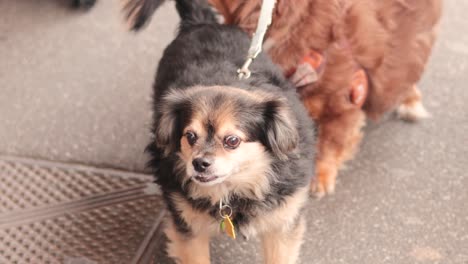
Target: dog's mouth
206,179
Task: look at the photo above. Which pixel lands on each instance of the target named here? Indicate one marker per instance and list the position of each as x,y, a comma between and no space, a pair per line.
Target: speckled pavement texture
75,87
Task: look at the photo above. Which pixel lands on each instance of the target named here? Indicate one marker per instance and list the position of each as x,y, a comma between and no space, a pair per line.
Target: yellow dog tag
228,227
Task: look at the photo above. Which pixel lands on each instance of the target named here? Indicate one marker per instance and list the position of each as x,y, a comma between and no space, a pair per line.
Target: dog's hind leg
189,248
283,246
412,109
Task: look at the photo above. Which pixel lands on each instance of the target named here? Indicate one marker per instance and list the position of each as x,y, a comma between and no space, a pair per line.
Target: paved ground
74,87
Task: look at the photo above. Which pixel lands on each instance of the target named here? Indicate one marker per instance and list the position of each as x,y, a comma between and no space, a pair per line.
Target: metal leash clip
266,13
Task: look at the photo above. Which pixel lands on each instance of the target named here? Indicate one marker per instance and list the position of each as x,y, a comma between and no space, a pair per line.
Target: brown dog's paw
412,112
325,180
412,108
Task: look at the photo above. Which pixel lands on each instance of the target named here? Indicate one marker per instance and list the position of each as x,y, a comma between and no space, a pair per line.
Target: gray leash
266,12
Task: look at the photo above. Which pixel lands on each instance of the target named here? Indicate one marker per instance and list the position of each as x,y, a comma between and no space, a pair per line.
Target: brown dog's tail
139,12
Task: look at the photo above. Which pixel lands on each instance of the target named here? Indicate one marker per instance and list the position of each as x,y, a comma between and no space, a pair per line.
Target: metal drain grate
55,213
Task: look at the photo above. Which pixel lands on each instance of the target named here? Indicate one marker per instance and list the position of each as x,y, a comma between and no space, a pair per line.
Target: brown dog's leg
412,109
283,246
338,140
325,177
187,249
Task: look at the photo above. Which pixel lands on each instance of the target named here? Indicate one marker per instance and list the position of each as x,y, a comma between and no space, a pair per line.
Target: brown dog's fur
390,39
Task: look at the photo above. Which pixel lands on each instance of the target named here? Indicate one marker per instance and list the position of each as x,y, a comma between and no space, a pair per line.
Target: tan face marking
243,169
226,159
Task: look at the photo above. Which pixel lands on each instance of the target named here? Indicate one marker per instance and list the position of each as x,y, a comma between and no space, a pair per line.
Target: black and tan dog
244,145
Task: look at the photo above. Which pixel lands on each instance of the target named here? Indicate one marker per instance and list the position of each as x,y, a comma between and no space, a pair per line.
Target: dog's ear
171,114
280,129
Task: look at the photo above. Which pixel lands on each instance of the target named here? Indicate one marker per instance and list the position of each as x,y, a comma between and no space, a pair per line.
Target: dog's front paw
325,180
412,112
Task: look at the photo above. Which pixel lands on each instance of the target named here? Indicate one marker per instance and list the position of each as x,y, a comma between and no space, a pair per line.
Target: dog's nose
200,164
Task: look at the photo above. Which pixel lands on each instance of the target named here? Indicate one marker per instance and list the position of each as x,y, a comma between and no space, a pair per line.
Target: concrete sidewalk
75,87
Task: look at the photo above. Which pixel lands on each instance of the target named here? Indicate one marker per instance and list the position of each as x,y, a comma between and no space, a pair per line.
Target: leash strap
266,13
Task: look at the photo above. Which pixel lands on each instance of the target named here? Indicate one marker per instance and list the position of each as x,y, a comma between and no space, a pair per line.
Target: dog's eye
231,142
191,137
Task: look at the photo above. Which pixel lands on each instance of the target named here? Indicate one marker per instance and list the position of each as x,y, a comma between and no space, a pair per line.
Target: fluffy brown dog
366,58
